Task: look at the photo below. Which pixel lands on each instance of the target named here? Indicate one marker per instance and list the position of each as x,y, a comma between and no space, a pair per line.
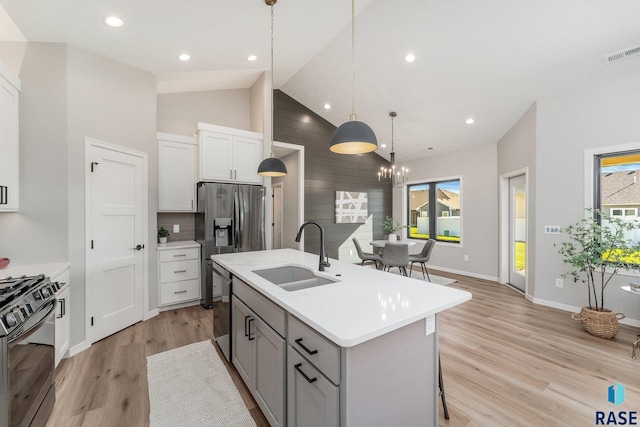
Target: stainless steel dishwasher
221,280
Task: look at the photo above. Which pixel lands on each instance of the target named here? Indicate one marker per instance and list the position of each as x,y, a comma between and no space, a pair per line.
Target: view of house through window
434,210
617,187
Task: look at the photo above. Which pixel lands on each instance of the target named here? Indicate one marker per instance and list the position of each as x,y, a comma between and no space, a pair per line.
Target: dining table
378,245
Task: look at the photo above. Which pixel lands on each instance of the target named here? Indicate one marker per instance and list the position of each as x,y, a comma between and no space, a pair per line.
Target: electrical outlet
176,228
430,324
559,283
466,257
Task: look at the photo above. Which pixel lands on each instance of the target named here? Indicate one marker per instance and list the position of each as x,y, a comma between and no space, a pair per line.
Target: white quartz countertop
364,304
183,244
51,270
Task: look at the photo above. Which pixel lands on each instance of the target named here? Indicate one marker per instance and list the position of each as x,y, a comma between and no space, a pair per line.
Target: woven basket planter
602,324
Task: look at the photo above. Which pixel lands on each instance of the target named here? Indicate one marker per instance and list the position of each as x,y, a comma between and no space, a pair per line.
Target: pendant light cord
353,60
272,120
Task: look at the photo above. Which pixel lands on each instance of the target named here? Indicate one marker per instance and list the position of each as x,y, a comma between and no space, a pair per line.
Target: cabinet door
242,345
176,176
269,373
8,147
63,325
312,400
216,154
247,154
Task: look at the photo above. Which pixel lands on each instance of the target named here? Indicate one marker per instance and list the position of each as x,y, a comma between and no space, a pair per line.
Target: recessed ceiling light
410,57
252,58
327,106
184,57
469,121
113,21
383,145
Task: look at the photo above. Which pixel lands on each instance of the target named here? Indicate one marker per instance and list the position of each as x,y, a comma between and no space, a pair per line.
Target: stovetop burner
21,297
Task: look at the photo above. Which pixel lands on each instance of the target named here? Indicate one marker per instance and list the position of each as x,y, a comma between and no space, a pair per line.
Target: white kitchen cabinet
229,155
63,324
9,108
176,173
258,354
178,274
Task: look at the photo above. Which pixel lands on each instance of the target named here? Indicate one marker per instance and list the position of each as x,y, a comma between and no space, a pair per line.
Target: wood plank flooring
506,362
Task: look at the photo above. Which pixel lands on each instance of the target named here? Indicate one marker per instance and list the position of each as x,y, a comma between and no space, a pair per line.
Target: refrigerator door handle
236,220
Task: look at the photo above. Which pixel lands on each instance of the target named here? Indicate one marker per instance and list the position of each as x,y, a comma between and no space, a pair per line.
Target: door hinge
93,164
92,244
91,320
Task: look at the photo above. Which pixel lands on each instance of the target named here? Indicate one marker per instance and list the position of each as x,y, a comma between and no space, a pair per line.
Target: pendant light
353,137
390,176
272,166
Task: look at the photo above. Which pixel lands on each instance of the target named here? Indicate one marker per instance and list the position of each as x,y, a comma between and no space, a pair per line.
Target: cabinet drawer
179,270
267,310
179,254
322,353
171,293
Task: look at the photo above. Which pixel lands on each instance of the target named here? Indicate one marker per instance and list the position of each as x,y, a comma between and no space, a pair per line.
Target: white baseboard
150,314
181,305
463,273
78,348
575,309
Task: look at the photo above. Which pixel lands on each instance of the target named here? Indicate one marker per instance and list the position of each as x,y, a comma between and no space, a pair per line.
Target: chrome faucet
324,261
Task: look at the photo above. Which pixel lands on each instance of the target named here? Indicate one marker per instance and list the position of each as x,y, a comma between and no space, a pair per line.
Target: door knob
139,247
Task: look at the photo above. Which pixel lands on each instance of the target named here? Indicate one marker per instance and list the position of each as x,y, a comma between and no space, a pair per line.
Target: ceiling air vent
623,54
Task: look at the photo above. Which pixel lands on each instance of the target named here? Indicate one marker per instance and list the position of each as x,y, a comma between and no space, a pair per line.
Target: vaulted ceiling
486,60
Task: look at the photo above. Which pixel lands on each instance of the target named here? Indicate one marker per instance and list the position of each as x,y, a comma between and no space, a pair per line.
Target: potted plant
598,247
163,234
391,226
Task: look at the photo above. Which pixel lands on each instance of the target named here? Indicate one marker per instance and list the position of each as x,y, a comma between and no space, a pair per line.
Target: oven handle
40,318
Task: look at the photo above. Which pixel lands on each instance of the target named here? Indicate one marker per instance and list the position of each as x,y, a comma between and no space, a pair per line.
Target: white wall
517,151
179,113
478,168
600,114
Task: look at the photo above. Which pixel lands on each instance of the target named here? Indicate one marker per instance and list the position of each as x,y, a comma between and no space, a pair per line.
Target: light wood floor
506,362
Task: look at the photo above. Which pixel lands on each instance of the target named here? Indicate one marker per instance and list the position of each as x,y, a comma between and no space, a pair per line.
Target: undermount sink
293,278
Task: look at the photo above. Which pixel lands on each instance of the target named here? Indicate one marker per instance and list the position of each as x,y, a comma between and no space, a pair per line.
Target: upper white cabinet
229,155
9,97
176,173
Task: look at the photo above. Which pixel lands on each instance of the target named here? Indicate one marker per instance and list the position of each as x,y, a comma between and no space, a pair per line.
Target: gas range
21,297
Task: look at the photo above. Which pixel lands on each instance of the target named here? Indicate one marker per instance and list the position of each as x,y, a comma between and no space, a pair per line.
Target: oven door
30,367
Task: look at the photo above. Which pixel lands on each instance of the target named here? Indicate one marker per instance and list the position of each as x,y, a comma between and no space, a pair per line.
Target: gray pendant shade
272,166
353,137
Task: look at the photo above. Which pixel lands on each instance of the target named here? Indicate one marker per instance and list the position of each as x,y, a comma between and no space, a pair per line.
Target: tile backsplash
186,221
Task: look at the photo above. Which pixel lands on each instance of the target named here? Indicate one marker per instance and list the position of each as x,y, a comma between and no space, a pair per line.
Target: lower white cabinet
63,324
178,273
258,354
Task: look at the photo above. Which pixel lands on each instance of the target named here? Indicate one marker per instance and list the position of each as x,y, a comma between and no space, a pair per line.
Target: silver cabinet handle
230,174
180,292
180,255
180,271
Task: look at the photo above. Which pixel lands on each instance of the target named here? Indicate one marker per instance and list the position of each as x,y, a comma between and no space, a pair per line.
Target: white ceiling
488,60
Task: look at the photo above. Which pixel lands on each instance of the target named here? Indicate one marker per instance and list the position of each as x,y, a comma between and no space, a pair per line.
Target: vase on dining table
393,238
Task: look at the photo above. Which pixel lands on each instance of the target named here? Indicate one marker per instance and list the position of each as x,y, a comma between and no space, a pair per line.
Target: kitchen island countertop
364,304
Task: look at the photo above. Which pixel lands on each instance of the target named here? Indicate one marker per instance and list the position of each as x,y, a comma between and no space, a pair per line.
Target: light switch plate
176,228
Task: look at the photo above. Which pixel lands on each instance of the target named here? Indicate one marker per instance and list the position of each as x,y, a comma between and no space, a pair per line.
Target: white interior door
277,216
116,262
517,232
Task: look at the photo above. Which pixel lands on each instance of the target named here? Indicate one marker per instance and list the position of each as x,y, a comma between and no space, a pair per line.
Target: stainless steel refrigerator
230,218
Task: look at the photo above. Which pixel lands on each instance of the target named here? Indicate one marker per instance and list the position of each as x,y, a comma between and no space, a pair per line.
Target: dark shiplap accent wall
327,172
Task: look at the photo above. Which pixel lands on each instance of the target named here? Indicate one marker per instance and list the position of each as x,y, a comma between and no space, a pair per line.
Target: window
616,186
434,209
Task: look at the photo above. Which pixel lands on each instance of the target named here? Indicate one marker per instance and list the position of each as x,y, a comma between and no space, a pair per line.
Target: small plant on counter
163,234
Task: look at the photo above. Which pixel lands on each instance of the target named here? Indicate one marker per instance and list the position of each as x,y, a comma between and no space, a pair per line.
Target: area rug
438,280
190,386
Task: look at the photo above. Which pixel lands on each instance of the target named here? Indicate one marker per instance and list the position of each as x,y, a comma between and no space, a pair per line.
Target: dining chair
423,257
395,255
366,256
